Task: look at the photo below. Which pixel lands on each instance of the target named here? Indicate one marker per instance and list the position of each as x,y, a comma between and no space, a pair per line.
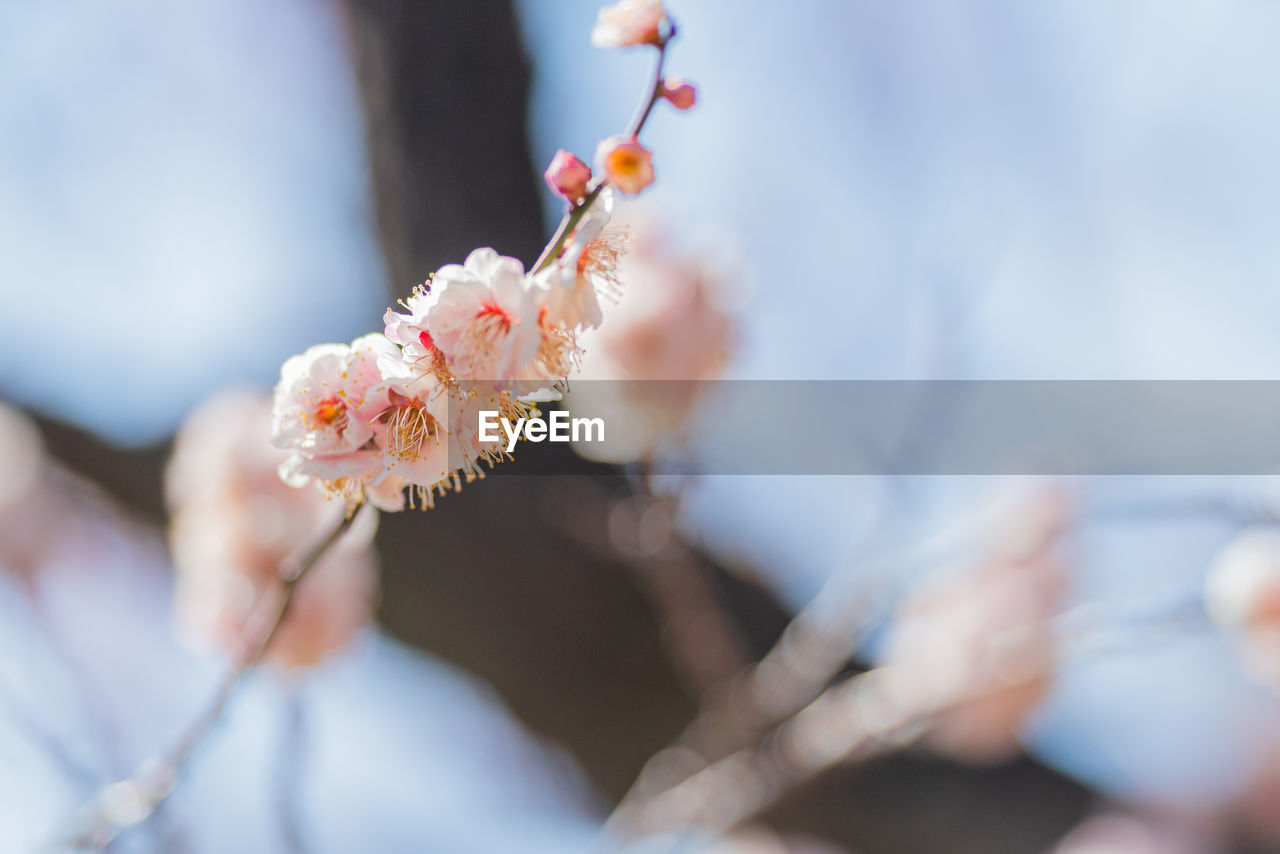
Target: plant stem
576,212
571,219
655,88
157,779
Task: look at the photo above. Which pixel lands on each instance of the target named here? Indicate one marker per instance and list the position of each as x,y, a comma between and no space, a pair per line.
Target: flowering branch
398,411
402,409
132,801
573,216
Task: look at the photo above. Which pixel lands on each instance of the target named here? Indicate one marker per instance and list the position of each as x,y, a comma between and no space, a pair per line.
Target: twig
576,212
848,717
864,716
703,640
813,648
132,801
822,639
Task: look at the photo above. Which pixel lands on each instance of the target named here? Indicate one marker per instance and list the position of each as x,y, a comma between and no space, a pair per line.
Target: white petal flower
322,402
569,290
413,438
629,22
484,318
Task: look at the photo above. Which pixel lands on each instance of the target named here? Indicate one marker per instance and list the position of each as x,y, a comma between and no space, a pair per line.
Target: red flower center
491,309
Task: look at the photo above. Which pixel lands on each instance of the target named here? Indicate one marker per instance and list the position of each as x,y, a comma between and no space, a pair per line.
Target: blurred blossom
628,23
92,681
402,753
1120,833
646,365
28,503
234,522
682,95
984,637
1242,596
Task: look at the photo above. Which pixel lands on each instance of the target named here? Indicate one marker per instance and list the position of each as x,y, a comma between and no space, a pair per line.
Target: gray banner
947,427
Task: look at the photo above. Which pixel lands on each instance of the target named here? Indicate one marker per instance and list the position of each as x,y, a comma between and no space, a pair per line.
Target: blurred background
190,193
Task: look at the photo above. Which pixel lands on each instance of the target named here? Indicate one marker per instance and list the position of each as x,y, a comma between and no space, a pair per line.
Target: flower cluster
399,409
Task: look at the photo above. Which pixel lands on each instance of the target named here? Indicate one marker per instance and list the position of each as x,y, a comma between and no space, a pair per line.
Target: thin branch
575,213
865,716
703,640
132,801
813,648
844,718
656,87
823,638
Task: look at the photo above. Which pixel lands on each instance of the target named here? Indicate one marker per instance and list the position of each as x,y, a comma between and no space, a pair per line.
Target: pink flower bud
568,176
682,95
626,163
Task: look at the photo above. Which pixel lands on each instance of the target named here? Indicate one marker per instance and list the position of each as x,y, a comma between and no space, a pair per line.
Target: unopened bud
568,176
682,95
